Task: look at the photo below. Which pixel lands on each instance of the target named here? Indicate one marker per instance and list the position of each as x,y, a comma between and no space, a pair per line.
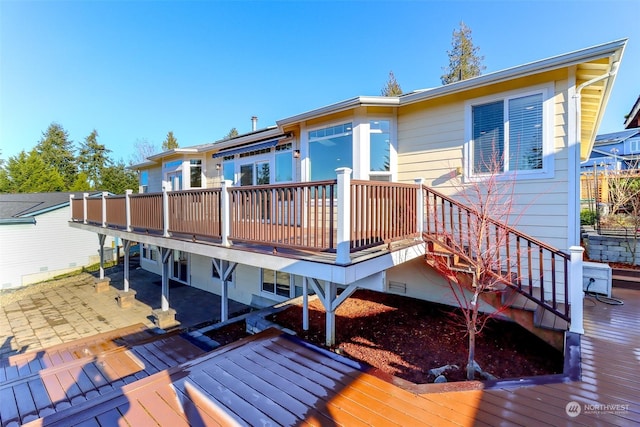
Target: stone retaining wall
605,248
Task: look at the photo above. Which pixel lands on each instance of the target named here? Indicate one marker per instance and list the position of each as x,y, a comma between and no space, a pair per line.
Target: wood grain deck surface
273,379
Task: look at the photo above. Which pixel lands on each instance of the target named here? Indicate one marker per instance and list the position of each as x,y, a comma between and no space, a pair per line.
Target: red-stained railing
77,209
94,211
196,213
381,213
290,215
534,269
146,212
116,211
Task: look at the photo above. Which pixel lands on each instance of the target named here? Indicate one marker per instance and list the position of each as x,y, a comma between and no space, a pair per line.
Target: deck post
101,239
165,212
127,208
225,212
419,207
71,205
85,196
576,293
104,208
305,303
127,248
166,257
343,244
330,291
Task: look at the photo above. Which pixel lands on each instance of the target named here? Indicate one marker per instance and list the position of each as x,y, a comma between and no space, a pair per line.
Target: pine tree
232,133
28,173
116,178
56,150
464,60
93,159
392,88
170,142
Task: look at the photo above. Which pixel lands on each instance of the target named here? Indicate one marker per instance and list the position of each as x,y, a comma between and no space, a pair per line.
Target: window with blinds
507,135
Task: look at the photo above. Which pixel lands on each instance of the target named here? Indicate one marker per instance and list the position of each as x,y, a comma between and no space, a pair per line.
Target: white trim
573,174
548,149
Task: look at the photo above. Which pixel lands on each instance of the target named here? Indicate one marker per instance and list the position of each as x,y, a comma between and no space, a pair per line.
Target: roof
633,118
27,205
616,137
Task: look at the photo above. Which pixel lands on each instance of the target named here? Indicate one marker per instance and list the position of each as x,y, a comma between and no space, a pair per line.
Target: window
144,181
634,145
276,283
195,169
284,163
263,172
508,135
228,168
329,149
246,174
148,253
380,146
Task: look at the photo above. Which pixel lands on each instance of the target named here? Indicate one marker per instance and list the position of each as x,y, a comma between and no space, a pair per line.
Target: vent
397,287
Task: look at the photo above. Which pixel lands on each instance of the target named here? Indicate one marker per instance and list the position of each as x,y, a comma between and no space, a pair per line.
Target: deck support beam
101,240
305,303
165,254
127,247
328,295
225,270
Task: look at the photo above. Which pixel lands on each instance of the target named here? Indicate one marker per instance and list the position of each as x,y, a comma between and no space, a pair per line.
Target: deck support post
165,212
225,213
305,303
127,247
101,240
343,244
419,207
576,293
225,270
328,295
127,208
165,254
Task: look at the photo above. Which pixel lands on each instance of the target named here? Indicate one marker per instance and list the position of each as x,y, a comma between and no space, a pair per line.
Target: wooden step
625,278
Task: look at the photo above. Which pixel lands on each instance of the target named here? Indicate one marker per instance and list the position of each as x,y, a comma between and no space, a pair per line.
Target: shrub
587,217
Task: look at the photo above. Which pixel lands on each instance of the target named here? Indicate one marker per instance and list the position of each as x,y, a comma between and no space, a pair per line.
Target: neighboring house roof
22,207
633,118
615,137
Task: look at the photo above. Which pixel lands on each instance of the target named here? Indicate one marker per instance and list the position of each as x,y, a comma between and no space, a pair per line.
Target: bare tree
143,149
473,242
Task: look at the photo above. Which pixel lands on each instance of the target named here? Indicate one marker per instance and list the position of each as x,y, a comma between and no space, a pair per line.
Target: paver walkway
60,311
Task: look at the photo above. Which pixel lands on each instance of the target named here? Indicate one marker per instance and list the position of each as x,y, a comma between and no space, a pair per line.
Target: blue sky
136,70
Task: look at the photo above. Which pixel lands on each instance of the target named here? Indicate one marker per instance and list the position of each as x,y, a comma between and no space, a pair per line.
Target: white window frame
273,295
548,149
393,147
306,142
146,248
634,145
184,169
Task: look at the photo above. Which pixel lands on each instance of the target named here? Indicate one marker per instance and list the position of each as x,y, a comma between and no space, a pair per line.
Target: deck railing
196,213
533,268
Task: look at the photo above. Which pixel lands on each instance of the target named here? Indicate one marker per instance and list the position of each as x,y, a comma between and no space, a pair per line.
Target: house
37,244
614,151
358,193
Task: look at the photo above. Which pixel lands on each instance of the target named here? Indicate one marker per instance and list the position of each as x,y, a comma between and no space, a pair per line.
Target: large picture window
507,135
329,149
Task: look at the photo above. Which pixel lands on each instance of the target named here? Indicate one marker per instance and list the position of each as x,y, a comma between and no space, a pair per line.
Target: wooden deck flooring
273,378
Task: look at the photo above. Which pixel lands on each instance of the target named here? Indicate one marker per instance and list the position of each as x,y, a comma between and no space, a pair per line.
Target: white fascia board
360,101
263,135
142,165
614,48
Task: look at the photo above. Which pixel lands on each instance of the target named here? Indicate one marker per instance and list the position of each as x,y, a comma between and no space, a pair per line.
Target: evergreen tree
81,183
232,133
392,88
464,59
56,150
170,142
116,178
93,159
28,173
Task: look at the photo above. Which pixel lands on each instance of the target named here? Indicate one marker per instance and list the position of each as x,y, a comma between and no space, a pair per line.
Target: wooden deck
273,378
41,383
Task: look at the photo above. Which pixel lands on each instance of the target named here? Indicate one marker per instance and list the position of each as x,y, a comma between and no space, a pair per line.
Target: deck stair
42,382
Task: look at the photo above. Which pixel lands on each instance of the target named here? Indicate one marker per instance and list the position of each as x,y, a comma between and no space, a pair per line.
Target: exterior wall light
296,154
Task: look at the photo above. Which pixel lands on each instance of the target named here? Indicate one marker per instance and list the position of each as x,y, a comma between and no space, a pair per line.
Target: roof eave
360,101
